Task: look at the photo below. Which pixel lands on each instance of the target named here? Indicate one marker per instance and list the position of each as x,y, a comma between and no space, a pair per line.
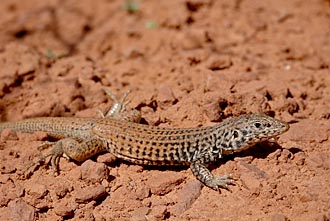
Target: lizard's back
151,145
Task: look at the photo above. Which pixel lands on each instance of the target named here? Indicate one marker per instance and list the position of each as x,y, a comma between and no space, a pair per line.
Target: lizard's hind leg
118,106
71,149
118,110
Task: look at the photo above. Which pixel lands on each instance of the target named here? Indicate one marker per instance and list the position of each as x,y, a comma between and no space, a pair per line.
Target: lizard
119,132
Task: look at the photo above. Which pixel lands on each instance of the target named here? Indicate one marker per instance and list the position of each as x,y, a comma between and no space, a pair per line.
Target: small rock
88,194
142,192
165,94
75,173
63,210
140,213
4,178
6,195
279,217
134,168
187,195
41,205
20,210
214,105
106,158
220,64
37,191
300,158
94,172
285,156
161,184
8,134
318,160
252,168
61,189
193,39
121,192
250,182
158,212
306,197
40,135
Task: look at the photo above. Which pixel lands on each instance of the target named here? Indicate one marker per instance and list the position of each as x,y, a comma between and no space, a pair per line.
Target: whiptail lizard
119,133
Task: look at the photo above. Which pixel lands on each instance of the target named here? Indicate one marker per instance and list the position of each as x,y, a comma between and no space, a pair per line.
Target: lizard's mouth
271,139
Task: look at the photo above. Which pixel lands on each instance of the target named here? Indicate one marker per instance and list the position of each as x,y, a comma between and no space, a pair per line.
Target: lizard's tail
57,127
17,126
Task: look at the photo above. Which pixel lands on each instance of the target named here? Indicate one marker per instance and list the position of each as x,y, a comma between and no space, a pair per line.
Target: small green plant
131,6
151,25
51,54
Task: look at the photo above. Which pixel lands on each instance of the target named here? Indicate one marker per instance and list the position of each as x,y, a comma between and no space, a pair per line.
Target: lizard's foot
46,144
119,105
205,176
56,153
221,182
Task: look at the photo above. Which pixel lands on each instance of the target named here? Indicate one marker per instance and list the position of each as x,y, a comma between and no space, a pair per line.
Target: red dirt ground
188,64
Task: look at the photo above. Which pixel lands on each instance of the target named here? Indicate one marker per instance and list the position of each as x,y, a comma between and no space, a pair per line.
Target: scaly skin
118,133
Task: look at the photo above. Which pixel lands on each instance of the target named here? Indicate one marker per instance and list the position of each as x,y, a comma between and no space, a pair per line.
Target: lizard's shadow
263,149
259,151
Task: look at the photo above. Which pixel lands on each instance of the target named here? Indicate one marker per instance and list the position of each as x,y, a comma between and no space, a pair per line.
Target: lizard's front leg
203,174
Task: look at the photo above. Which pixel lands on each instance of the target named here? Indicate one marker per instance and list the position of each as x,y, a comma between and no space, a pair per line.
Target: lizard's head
250,129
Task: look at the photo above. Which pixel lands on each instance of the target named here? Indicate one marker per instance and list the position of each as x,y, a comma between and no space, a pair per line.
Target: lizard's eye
257,125
235,134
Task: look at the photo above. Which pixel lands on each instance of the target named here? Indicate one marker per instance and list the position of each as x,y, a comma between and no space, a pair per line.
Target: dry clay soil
187,64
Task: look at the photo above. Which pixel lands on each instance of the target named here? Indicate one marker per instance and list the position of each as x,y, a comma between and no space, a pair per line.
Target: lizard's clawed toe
222,182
